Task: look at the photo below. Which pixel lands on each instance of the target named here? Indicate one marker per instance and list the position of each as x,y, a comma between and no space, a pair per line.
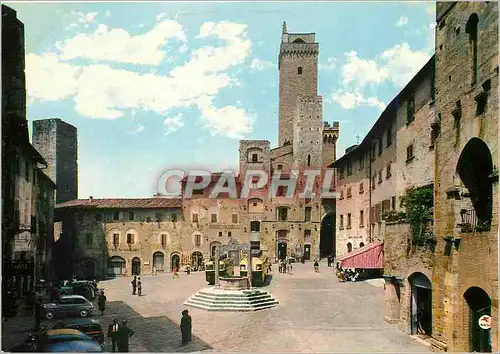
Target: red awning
370,256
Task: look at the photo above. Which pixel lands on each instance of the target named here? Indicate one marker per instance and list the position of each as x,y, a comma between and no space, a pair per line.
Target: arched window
254,225
349,247
298,40
361,244
299,70
308,160
471,30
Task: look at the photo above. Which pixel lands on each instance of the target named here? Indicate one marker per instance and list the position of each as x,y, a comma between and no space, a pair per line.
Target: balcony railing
471,223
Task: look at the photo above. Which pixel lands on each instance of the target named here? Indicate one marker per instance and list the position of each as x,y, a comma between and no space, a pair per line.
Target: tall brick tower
57,142
298,76
330,136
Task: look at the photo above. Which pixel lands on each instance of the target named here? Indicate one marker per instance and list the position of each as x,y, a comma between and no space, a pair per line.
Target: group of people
285,266
136,286
347,274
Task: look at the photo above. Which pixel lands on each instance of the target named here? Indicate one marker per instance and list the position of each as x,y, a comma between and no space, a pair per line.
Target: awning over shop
370,256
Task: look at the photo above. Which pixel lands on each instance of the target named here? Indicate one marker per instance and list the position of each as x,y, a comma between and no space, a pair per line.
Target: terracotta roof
123,203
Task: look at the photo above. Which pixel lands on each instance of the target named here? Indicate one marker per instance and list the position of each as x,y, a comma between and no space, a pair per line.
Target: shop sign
484,322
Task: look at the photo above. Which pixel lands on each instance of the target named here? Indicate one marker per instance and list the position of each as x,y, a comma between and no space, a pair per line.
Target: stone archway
421,304
116,266
327,236
196,260
282,244
175,261
213,246
474,167
479,304
136,266
159,261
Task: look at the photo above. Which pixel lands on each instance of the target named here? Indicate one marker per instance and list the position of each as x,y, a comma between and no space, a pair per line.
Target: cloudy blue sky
155,85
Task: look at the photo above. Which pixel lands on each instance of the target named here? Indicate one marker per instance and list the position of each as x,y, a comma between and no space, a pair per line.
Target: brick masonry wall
475,263
307,132
292,85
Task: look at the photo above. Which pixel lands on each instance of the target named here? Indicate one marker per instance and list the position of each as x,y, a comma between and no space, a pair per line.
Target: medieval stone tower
298,77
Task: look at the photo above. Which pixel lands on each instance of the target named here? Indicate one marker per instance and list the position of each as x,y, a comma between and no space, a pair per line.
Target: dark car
82,288
70,305
67,340
89,326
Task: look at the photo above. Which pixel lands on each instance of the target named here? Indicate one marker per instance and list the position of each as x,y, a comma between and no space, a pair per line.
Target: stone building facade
465,268
394,157
286,227
57,142
27,193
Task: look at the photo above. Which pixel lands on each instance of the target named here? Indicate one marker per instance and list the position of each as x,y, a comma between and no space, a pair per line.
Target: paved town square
316,313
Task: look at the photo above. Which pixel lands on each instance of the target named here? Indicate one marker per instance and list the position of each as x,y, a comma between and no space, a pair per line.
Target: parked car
89,326
69,305
67,340
82,288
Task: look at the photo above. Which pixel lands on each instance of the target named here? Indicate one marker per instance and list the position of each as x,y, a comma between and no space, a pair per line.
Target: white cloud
230,121
173,124
331,63
403,63
403,20
87,18
107,14
259,64
362,72
48,79
351,100
118,45
160,16
100,91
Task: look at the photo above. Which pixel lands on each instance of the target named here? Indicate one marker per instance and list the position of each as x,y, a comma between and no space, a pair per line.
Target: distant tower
57,142
298,77
330,136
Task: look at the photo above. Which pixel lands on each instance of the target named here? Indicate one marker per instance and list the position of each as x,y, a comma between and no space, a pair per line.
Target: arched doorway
88,269
175,261
159,261
349,247
281,243
116,266
196,260
213,246
479,304
475,167
136,266
327,236
421,304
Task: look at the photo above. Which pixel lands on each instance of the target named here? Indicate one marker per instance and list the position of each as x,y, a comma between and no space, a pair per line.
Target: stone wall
475,262
307,133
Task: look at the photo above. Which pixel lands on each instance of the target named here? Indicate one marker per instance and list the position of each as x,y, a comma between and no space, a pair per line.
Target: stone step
232,298
229,309
233,293
222,302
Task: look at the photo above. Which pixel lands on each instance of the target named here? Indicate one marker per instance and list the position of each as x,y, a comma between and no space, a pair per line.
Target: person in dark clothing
123,335
101,301
316,266
139,287
329,261
112,333
134,285
38,314
186,327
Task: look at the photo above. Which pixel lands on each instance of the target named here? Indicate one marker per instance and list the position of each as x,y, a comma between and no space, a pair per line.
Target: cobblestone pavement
316,314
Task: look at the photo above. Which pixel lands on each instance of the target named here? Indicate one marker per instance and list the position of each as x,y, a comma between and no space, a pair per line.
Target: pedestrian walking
112,333
329,261
175,272
139,286
316,266
101,302
123,335
186,327
134,285
154,271
38,314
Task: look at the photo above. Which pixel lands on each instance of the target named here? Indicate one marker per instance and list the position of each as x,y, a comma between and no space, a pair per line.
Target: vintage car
260,266
89,326
83,288
68,340
69,305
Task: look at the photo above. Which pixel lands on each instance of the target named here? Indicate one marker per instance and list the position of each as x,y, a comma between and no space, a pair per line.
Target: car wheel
50,315
84,313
